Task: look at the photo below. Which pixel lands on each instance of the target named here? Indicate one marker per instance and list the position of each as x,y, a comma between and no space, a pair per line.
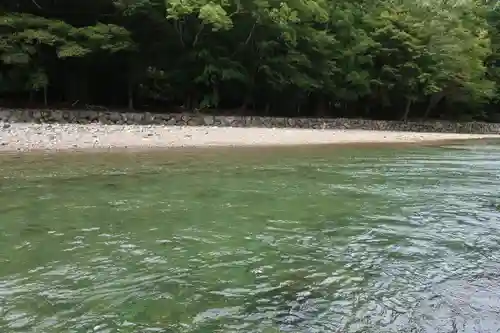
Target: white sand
25,137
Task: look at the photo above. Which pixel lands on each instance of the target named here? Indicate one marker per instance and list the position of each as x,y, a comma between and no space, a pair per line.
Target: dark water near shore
292,240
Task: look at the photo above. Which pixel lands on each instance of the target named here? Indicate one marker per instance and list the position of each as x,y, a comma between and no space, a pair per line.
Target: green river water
306,239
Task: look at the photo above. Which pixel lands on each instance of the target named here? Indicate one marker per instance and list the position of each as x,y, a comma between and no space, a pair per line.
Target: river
305,239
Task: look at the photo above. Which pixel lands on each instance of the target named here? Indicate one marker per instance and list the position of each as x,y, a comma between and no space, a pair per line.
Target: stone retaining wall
145,118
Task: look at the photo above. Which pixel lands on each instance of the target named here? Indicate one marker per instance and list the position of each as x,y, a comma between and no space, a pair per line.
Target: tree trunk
321,107
433,101
244,105
45,99
187,103
216,96
407,109
367,111
130,96
428,109
248,100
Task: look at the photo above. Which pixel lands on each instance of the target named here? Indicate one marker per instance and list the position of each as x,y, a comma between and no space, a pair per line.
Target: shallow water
295,240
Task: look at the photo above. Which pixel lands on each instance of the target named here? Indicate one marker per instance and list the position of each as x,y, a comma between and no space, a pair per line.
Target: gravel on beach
28,137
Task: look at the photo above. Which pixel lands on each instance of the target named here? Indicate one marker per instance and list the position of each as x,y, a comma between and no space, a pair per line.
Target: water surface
270,240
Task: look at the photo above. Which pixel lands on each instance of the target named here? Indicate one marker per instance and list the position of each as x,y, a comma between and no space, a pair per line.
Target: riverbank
121,117
53,137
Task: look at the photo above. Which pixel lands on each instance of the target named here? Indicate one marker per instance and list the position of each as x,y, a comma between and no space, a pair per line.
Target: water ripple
374,241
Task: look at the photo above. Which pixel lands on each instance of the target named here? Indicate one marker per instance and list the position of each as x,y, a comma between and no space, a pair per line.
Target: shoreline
29,137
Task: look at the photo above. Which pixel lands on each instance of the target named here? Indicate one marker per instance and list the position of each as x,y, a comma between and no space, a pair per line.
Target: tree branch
178,29
36,4
246,41
198,34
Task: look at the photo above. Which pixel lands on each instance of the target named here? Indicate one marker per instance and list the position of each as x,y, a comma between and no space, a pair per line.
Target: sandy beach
29,137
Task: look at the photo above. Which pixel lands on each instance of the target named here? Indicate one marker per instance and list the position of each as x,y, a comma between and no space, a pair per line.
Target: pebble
25,137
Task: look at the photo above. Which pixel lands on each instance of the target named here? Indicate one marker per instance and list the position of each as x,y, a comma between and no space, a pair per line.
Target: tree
389,59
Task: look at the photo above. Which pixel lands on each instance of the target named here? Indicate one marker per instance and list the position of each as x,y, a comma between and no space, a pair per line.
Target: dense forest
379,59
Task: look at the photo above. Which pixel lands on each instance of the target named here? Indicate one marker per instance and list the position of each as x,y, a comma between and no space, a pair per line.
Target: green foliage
380,59
28,43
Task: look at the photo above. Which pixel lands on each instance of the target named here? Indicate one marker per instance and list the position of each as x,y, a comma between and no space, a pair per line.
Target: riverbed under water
305,239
